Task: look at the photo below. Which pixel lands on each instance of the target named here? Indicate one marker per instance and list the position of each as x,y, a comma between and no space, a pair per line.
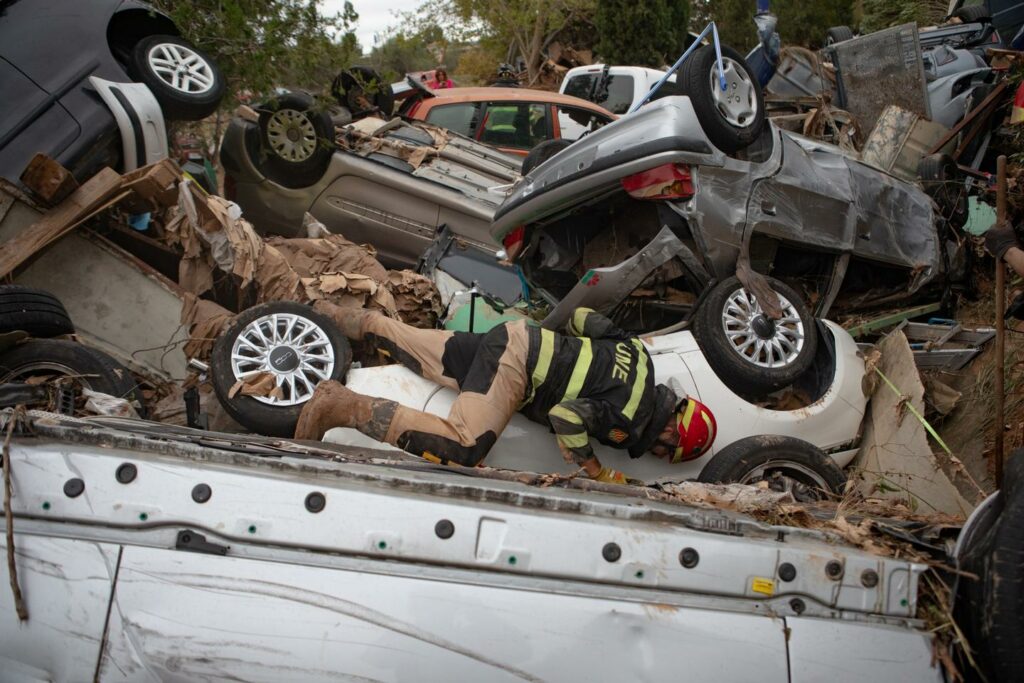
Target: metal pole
1000,325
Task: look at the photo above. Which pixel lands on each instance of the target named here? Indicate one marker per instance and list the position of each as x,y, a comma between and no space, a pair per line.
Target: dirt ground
969,429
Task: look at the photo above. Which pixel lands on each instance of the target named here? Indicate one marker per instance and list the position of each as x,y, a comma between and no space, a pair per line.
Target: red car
514,120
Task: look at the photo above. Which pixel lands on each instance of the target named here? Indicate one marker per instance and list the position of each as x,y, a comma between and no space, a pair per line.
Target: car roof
513,95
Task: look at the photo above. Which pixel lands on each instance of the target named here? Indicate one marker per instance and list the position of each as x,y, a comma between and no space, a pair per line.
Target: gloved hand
611,476
999,238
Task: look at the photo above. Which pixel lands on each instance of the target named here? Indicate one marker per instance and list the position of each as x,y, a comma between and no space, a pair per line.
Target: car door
31,121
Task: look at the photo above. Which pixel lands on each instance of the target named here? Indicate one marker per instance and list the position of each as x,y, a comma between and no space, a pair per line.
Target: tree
528,26
262,44
402,53
650,33
800,22
879,14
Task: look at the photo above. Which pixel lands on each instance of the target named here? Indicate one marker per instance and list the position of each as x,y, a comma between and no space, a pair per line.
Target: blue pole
710,28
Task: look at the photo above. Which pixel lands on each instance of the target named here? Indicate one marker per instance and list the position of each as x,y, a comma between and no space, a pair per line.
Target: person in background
441,80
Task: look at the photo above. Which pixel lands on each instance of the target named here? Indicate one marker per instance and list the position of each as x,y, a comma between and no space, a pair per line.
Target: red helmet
697,428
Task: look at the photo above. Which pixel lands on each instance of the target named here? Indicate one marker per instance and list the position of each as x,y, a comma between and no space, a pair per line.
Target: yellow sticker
763,586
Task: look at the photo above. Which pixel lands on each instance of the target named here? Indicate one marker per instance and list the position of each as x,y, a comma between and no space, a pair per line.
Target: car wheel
362,91
292,342
733,118
785,463
297,138
749,351
34,311
542,152
989,602
973,14
185,81
941,180
838,34
52,358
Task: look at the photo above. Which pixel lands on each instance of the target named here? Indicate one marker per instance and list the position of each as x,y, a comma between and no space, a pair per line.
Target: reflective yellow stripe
579,321
573,440
638,384
565,414
687,415
540,370
579,371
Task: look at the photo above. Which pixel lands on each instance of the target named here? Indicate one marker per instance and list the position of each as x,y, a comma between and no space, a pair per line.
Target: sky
374,16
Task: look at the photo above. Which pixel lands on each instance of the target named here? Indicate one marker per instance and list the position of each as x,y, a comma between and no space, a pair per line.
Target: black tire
838,34
943,182
34,311
259,414
695,81
738,369
542,152
61,357
972,14
175,102
990,609
363,92
288,162
811,474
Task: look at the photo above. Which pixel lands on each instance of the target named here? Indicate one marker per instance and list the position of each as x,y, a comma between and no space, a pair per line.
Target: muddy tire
34,311
731,119
751,353
542,152
185,81
363,92
297,140
92,369
786,463
838,34
972,14
294,343
990,608
941,180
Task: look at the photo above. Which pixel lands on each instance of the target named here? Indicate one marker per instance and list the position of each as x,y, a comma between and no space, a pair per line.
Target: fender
139,118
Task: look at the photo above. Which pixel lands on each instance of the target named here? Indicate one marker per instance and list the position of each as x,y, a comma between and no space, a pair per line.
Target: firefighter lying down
596,382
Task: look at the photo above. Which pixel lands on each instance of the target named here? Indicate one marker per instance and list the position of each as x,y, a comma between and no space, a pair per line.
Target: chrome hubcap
738,102
181,68
791,477
291,135
757,338
294,349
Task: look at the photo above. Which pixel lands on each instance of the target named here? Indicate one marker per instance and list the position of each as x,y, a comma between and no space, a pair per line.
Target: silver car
389,183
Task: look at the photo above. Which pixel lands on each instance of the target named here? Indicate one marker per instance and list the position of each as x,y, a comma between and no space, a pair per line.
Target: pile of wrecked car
148,420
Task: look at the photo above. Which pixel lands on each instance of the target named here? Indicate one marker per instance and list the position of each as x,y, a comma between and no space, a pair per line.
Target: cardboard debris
896,461
213,236
99,403
205,320
257,384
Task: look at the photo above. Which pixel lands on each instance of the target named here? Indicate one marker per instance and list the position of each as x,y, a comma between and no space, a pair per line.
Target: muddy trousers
488,371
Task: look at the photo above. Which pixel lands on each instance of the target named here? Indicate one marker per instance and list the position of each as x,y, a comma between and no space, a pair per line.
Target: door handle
768,208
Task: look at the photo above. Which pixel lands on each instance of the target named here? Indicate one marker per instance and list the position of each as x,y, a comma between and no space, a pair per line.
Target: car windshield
617,99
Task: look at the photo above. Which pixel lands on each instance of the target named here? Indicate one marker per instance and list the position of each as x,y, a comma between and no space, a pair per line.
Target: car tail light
513,242
671,181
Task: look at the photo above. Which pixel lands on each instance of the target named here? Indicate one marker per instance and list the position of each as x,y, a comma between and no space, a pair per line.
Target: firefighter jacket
596,382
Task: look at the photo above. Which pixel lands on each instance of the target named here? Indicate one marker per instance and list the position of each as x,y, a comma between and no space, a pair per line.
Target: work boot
348,320
335,405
